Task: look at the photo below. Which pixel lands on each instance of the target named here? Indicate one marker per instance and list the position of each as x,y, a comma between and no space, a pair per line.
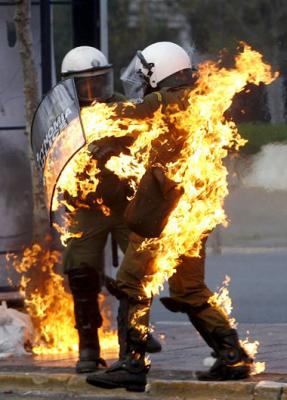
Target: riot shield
57,134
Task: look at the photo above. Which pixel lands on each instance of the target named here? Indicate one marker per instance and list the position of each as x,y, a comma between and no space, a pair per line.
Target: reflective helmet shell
83,58
92,73
164,59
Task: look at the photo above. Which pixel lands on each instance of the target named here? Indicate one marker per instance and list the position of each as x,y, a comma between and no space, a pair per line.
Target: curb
169,389
203,390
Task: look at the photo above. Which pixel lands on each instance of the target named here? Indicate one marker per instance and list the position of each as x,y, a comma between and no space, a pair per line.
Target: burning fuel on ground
50,306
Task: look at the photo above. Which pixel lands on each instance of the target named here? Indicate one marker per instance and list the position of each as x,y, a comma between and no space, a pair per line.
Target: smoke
269,168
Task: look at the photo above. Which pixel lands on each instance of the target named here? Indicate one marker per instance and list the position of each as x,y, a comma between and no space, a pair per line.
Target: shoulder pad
159,96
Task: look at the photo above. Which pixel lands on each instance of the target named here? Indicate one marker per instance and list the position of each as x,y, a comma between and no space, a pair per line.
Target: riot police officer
162,75
84,257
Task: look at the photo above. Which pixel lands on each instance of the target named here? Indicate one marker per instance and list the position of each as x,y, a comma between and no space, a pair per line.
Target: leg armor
85,286
130,371
232,362
152,345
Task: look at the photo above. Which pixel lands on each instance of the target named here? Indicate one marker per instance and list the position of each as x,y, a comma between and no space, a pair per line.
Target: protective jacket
156,197
111,190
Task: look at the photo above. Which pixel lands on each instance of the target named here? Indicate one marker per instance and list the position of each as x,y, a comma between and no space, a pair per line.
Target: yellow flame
199,169
139,319
79,177
51,306
222,300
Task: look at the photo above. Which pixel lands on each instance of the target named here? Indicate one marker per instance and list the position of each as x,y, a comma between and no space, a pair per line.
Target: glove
113,190
103,149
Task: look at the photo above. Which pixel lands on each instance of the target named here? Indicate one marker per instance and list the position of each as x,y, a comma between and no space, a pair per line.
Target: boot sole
93,367
236,374
110,385
243,373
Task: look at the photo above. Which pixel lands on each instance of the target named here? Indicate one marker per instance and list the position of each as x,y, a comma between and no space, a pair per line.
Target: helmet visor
94,86
133,80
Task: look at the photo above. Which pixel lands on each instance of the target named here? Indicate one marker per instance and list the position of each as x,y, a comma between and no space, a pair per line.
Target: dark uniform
89,248
187,286
83,259
96,226
188,291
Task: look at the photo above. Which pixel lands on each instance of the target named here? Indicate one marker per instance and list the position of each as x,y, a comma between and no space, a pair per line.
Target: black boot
232,362
89,352
85,286
129,372
152,345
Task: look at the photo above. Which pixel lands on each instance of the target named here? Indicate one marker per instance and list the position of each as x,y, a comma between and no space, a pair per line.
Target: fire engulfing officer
84,256
162,72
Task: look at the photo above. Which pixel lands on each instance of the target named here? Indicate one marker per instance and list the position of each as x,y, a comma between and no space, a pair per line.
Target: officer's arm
104,148
139,110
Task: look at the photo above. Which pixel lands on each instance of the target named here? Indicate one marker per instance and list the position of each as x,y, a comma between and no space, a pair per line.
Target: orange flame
51,306
98,122
222,300
199,170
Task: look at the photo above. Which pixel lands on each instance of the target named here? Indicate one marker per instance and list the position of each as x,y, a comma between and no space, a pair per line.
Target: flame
105,210
78,179
139,319
51,306
222,300
199,169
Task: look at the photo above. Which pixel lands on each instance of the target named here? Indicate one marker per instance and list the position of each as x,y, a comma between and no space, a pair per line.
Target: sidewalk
172,375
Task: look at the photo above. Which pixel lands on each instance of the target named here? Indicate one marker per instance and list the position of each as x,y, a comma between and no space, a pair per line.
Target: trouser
187,287
84,264
89,248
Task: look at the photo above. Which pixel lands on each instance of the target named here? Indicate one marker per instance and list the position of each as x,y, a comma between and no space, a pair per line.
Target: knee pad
85,285
84,279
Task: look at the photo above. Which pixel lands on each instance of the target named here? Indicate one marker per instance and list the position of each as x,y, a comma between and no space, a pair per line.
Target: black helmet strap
147,65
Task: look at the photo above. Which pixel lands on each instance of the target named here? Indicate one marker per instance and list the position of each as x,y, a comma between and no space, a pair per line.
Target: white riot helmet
92,73
153,67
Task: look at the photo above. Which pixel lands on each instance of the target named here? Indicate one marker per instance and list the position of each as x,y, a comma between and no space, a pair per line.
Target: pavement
172,375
